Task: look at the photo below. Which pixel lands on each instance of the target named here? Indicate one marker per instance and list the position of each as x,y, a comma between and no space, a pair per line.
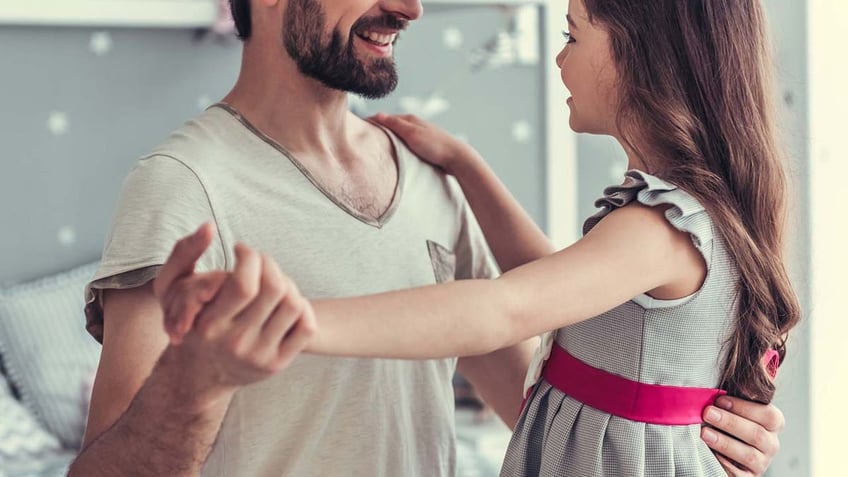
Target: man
282,165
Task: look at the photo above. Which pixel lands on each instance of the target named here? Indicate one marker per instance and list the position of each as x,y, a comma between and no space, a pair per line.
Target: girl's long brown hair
696,91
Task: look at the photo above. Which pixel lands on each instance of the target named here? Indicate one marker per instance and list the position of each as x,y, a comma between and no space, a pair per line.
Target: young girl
678,289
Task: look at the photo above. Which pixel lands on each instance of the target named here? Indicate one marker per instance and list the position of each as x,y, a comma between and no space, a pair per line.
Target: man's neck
297,111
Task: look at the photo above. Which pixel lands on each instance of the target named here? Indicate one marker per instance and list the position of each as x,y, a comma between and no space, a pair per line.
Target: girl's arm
513,236
632,251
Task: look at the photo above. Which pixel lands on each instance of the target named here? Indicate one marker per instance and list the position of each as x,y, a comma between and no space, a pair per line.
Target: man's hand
743,435
237,328
158,412
176,279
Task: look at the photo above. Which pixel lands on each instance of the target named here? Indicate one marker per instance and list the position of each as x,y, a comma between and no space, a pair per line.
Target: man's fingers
202,291
186,298
735,450
183,258
274,286
766,415
210,284
173,305
742,429
237,292
731,469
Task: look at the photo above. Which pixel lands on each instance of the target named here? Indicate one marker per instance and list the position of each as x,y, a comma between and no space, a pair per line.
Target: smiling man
282,165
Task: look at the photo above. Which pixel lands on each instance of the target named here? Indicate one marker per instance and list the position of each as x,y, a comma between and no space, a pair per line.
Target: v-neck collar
399,158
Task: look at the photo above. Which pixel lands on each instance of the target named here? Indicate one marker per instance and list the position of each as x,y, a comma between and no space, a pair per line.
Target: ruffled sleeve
684,212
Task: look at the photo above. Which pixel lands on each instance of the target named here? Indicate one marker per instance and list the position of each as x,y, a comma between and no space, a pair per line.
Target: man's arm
499,378
143,418
164,421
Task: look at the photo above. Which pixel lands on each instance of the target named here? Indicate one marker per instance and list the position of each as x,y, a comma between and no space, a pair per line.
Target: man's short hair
241,17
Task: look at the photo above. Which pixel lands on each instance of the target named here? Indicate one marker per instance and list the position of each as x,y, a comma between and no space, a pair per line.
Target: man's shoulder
434,180
198,152
201,140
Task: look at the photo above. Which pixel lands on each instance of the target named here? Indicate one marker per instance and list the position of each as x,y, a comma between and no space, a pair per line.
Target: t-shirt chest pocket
443,262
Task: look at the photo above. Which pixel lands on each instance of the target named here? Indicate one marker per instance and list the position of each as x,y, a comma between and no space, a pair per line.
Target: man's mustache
388,22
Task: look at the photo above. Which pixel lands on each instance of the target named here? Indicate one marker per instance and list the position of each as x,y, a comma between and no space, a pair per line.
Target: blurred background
87,86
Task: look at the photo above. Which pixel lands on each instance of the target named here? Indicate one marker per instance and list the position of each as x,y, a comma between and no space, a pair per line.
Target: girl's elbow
511,325
502,327
494,335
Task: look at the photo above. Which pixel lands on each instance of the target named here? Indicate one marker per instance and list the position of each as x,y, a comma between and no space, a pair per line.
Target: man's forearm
499,378
167,430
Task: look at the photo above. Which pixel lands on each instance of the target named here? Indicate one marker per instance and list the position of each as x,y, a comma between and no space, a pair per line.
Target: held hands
429,142
231,328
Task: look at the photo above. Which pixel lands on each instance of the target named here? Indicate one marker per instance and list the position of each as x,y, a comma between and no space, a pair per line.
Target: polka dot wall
89,101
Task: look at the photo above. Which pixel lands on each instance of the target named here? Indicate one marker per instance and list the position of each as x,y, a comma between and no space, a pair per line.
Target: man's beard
334,63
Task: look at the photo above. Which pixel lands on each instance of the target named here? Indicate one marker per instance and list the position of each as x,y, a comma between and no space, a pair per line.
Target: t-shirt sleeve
473,257
162,201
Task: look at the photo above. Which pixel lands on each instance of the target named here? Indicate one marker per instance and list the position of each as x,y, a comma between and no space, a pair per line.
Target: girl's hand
429,142
186,298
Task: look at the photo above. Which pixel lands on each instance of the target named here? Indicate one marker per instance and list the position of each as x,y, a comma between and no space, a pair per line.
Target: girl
678,288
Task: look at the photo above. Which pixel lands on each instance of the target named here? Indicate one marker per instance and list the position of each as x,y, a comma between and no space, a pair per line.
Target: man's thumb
184,257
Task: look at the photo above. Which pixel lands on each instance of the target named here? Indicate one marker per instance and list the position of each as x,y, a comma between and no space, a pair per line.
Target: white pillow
24,444
49,357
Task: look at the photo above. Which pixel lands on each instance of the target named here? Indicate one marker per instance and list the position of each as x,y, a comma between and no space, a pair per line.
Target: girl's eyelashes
568,37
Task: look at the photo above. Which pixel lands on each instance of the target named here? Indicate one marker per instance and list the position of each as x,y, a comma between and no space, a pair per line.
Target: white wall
789,27
561,142
828,166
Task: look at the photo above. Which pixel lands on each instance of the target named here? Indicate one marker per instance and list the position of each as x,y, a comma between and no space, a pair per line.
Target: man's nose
409,9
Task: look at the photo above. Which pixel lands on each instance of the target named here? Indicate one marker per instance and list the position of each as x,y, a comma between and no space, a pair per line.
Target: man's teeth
379,38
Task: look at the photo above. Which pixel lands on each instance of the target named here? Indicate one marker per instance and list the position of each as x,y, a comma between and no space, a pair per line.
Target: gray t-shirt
322,416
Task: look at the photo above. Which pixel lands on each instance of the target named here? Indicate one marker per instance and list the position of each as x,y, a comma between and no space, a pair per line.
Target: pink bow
771,360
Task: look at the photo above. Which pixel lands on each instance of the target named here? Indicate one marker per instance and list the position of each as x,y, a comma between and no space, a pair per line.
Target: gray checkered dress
676,343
